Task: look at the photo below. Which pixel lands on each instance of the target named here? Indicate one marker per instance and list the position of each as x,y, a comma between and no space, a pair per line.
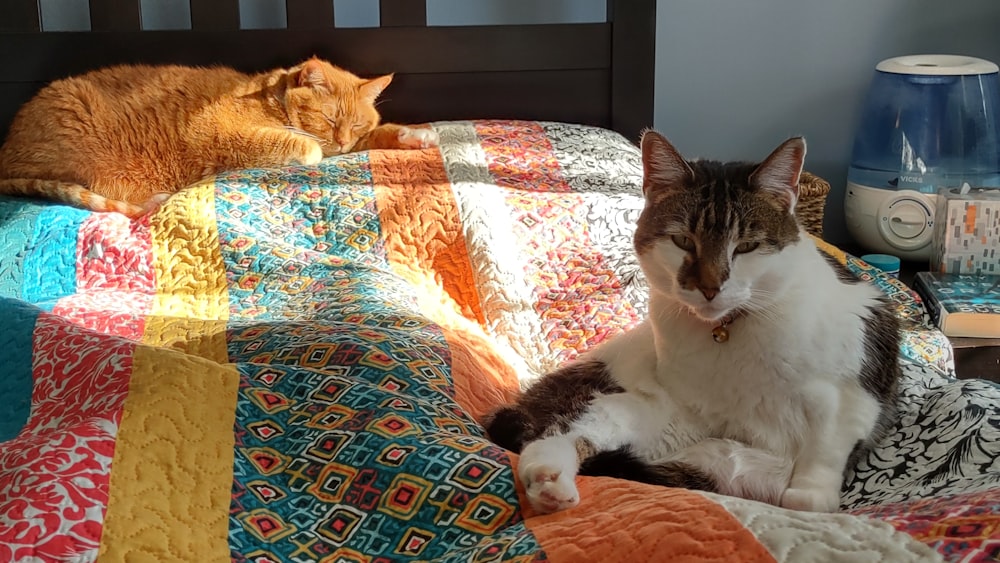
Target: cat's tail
624,464
74,194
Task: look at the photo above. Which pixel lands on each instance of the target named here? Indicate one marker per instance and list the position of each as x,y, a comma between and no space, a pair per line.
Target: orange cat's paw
418,138
312,154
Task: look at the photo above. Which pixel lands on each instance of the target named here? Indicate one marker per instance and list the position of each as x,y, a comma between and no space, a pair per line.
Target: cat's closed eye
683,242
746,246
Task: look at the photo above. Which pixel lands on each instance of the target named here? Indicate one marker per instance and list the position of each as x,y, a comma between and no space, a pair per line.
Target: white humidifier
929,122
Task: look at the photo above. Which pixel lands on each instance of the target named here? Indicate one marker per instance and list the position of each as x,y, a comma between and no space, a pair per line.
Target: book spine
931,302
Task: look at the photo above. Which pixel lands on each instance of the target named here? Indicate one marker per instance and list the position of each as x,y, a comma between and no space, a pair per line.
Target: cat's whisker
667,314
765,314
304,133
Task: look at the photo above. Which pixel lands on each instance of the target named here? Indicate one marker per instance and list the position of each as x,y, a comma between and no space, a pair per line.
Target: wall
735,78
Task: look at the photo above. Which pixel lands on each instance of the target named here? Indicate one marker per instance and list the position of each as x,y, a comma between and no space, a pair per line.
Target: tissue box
967,231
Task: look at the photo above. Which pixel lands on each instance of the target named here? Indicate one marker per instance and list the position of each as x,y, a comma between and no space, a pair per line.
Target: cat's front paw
810,500
311,154
410,138
550,490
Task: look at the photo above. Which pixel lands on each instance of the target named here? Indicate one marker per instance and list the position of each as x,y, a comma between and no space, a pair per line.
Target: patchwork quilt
290,365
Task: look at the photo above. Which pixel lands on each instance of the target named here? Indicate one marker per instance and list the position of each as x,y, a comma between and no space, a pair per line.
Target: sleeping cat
764,369
124,138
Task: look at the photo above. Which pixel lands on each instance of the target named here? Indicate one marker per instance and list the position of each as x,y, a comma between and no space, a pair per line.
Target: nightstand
977,357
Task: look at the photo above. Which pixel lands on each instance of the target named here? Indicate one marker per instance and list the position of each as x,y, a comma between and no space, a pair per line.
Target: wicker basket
812,202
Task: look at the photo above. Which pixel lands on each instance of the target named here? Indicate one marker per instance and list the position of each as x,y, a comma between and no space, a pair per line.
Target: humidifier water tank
928,122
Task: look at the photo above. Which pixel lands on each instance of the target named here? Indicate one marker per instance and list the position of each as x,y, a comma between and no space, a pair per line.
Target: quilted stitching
170,487
18,219
50,267
55,473
801,536
318,343
15,356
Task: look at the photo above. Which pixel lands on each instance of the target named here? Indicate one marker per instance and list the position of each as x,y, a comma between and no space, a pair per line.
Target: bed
291,364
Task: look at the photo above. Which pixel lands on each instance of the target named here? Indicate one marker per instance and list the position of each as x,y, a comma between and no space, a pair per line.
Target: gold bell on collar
720,334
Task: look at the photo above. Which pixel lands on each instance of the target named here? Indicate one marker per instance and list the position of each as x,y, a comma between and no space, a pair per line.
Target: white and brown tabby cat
124,138
763,370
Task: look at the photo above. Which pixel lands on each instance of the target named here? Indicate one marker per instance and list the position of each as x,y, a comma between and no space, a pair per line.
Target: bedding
289,365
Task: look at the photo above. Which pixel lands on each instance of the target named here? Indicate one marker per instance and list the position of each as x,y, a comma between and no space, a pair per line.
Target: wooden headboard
593,73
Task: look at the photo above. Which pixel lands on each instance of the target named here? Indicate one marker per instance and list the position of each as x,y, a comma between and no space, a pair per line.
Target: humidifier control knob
906,221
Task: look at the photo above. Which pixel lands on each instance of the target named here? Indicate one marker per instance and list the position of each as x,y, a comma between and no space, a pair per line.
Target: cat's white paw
549,490
418,138
810,500
313,155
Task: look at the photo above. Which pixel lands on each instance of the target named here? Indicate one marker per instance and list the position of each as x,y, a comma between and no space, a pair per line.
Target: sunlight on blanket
293,361
191,304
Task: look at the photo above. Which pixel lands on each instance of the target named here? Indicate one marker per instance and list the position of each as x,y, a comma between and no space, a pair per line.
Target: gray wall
735,78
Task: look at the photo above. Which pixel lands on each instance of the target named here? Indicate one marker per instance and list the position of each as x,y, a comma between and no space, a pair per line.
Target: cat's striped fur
806,383
124,138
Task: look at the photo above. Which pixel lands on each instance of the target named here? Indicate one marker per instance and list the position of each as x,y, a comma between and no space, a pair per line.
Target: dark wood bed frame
593,73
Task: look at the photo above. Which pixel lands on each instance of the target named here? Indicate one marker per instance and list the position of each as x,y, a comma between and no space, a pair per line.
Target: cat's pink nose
709,292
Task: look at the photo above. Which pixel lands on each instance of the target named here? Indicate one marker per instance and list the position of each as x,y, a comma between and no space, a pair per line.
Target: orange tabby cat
125,138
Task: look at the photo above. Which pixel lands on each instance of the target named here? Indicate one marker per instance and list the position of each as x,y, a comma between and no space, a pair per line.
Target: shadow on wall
734,82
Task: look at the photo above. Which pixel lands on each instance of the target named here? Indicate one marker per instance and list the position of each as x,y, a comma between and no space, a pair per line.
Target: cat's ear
779,174
663,168
371,89
313,75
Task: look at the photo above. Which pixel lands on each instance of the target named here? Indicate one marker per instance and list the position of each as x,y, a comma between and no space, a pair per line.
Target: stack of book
962,304
962,290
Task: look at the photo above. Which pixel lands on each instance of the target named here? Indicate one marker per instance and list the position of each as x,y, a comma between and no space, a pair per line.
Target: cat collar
720,333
